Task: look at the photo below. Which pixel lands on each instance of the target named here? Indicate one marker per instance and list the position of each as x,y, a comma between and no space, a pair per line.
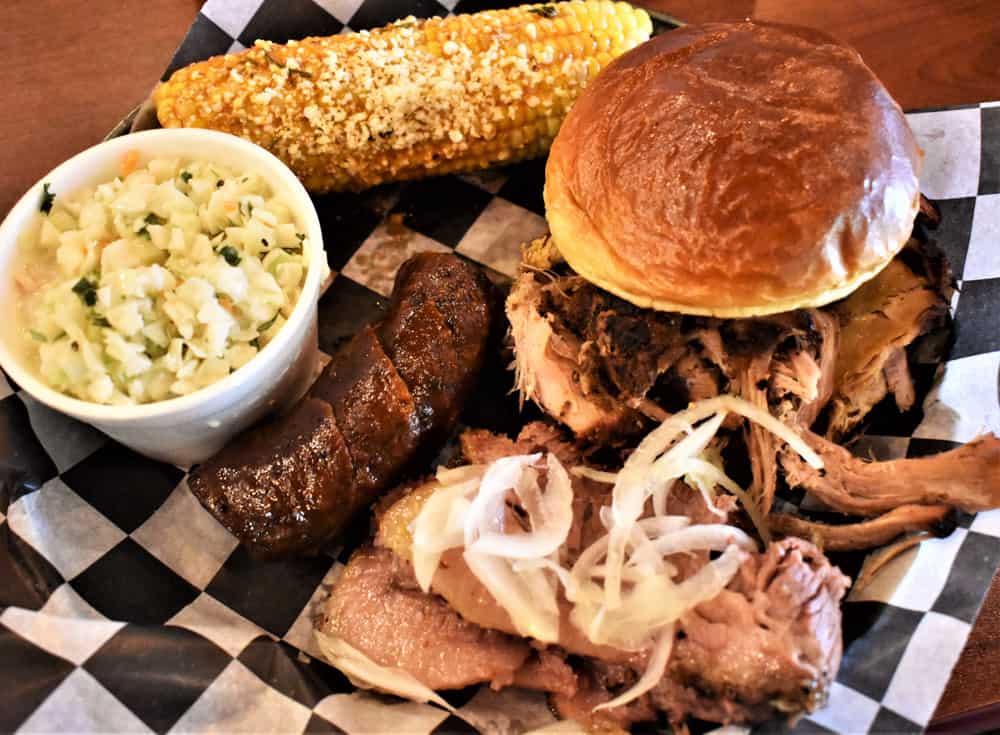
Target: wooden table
72,68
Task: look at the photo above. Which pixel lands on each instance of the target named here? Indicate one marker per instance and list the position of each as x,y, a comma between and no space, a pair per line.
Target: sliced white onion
622,586
644,557
608,478
438,528
449,520
702,586
671,462
660,525
650,527
762,416
551,516
660,498
654,602
703,536
365,673
552,565
655,669
425,564
717,477
528,597
633,487
630,574
488,508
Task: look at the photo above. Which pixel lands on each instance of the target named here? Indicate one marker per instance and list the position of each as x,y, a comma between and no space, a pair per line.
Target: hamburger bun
733,170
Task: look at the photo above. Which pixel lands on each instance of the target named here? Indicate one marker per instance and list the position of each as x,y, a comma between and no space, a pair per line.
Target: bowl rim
273,168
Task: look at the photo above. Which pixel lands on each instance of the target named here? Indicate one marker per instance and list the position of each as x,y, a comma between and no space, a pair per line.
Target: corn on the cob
415,98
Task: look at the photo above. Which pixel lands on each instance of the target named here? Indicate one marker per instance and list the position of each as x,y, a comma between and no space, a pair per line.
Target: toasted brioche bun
733,170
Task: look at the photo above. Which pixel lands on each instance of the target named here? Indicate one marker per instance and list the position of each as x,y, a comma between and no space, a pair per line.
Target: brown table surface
73,68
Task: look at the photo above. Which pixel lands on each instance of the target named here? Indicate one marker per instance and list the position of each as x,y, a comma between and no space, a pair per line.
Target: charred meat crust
620,355
387,398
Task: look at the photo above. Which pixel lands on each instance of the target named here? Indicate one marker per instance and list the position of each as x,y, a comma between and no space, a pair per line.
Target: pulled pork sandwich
731,209
728,288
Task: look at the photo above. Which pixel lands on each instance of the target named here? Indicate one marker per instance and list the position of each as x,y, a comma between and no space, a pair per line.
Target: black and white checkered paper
126,607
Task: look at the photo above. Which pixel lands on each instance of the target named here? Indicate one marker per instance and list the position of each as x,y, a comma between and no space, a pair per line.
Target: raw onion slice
454,475
716,476
551,516
655,669
703,536
528,597
588,560
634,486
488,508
470,513
654,602
437,528
608,478
702,409
366,674
702,586
549,563
637,479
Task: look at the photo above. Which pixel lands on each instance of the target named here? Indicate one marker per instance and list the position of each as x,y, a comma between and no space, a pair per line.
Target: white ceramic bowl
190,428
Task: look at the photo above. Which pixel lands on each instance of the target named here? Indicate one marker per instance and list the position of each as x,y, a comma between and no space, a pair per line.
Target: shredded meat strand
762,445
828,327
967,477
876,561
898,380
877,322
866,534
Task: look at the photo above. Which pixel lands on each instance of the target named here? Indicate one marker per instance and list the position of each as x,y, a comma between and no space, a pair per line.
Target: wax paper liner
126,607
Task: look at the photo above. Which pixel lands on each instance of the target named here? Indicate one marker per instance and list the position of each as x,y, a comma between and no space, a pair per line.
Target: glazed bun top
733,170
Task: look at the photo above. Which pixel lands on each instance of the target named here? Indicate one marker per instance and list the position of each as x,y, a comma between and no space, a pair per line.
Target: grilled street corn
412,99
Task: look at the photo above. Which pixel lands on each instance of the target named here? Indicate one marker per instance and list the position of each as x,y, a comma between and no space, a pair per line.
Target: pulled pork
881,530
609,368
877,323
967,477
598,363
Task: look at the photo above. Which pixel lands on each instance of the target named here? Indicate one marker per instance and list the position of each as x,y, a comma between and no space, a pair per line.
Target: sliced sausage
422,347
459,290
279,486
388,398
374,409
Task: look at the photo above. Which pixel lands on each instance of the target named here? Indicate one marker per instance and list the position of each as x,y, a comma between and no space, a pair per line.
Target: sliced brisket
770,643
376,607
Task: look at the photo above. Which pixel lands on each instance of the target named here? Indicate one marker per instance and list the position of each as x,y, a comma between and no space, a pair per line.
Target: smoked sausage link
389,398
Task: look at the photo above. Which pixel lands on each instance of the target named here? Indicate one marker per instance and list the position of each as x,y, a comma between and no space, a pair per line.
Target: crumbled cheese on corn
446,93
